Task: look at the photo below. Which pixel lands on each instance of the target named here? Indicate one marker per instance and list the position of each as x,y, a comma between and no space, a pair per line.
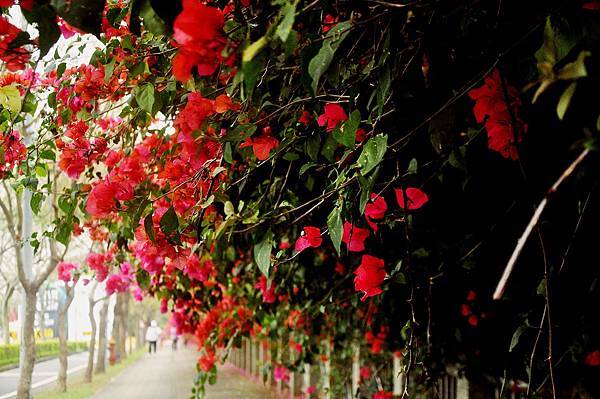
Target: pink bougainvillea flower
310,238
333,115
415,197
281,373
375,210
261,146
369,276
354,237
65,271
592,359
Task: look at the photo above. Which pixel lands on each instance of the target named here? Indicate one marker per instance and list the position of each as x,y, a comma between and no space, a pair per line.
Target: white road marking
45,381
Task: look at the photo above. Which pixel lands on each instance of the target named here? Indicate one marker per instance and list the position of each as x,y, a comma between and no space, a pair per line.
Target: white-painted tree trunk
355,368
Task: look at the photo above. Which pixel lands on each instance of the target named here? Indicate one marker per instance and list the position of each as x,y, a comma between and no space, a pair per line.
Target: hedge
9,354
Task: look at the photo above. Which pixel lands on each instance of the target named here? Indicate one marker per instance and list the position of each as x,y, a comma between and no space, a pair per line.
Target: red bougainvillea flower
333,115
198,33
365,372
591,5
223,103
329,22
491,106
102,200
98,263
207,361
65,271
261,146
16,58
305,118
14,151
369,276
267,288
375,210
473,320
310,238
382,395
592,359
354,237
415,197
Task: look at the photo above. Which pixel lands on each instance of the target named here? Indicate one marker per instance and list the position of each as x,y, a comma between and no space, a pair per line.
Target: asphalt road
44,373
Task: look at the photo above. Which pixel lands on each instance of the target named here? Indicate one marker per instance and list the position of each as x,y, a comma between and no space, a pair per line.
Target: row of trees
416,178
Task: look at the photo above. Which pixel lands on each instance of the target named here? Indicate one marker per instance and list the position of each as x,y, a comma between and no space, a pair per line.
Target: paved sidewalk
170,375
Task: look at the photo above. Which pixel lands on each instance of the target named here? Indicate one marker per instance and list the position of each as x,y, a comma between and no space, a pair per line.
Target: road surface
44,373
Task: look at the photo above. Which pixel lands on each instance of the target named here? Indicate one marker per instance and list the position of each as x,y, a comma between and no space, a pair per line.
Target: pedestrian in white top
152,335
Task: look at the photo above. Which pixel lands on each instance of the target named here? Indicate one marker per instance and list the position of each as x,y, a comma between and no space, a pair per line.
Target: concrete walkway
170,375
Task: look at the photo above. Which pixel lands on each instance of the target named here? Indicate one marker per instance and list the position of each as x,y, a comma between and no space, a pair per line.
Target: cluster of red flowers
498,105
377,341
12,151
15,56
201,44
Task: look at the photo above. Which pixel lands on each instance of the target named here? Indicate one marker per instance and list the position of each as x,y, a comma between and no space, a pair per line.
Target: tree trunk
124,323
28,343
5,319
102,342
120,326
90,365
62,338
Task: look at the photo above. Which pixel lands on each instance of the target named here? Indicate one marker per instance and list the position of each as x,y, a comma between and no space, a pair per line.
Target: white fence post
306,380
292,382
326,370
398,377
462,388
355,368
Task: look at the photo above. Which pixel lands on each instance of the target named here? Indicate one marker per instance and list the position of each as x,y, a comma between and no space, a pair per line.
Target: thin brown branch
533,222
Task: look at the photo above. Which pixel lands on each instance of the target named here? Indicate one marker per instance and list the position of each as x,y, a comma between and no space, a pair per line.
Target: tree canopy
342,171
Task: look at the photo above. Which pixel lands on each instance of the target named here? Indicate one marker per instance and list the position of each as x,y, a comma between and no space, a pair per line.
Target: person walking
152,335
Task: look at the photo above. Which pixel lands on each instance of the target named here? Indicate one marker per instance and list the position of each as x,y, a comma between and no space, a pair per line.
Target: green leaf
575,69
335,226
45,17
366,187
36,202
262,254
151,20
253,49
565,100
85,15
144,95
515,338
288,14
169,223
320,62
349,129
149,226
372,153
10,98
